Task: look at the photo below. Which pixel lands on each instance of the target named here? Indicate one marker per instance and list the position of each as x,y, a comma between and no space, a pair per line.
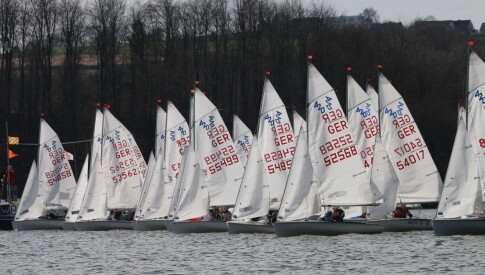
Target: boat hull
168,225
235,227
403,225
37,225
448,227
199,226
69,226
288,229
103,225
148,225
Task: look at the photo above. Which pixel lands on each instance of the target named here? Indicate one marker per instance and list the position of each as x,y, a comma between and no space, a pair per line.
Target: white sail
462,182
216,151
243,138
363,122
193,201
140,161
178,138
300,199
94,205
146,185
371,92
299,124
156,194
253,197
337,163
160,131
31,204
97,136
55,174
276,142
418,176
77,199
119,160
476,111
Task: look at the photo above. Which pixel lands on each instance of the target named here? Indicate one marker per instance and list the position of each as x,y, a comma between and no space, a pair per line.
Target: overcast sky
407,10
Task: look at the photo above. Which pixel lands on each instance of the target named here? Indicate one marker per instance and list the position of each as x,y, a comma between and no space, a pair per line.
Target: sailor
401,212
328,217
338,214
224,213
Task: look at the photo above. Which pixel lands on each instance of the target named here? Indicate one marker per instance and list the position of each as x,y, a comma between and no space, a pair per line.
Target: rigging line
69,142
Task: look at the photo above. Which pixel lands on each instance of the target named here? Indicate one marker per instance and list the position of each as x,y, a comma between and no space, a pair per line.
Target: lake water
121,252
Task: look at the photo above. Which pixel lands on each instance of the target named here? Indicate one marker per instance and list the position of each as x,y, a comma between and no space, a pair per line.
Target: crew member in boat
401,212
224,214
328,217
214,213
338,214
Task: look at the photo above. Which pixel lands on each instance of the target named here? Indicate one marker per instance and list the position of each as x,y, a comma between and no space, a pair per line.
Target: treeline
60,57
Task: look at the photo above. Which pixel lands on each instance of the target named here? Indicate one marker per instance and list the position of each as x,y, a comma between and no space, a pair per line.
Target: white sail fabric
140,161
363,122
300,199
253,197
31,205
120,163
418,176
462,182
299,124
276,142
193,201
97,136
77,199
243,138
94,205
371,92
160,131
476,111
178,138
217,154
146,185
55,174
338,165
156,196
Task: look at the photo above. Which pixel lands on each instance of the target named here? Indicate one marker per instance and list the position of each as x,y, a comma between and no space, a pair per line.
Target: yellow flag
13,140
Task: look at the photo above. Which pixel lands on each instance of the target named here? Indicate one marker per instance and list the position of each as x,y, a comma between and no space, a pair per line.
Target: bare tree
370,15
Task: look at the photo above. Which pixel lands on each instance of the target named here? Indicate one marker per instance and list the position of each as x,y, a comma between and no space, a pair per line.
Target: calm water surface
117,252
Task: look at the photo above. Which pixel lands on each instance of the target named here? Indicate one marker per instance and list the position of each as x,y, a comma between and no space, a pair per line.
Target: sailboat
419,179
461,197
49,187
253,199
243,138
77,199
277,146
147,215
115,179
219,164
342,179
461,210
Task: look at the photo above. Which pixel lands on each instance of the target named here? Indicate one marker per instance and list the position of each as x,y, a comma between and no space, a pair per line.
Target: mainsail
299,124
77,199
120,160
243,138
337,163
461,192
476,111
217,154
418,176
253,197
56,178
160,131
276,141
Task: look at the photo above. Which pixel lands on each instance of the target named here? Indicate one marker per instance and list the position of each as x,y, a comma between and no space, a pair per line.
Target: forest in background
61,57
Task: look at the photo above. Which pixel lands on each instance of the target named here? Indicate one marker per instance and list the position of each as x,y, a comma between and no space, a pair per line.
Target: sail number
124,175
280,154
58,174
482,142
225,162
336,143
280,166
410,160
340,155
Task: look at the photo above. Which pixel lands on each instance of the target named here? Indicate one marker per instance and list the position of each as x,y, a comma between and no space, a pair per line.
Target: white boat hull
448,227
69,226
37,225
199,226
148,225
403,225
297,228
103,225
236,227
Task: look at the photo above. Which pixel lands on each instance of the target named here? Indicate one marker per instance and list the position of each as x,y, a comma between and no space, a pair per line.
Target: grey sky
407,10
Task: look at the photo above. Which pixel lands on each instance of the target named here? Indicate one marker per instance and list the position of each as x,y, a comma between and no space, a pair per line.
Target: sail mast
467,80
